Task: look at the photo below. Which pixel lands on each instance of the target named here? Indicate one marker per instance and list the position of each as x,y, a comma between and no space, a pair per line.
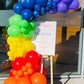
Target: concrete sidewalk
63,81
69,81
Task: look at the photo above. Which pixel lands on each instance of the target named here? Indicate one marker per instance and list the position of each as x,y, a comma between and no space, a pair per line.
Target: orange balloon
29,65
30,71
20,72
24,68
14,72
17,76
38,78
10,80
25,73
24,80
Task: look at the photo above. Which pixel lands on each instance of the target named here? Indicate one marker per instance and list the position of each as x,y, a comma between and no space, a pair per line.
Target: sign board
44,37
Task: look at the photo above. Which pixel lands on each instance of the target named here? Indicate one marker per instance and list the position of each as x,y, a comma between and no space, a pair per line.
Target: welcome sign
44,37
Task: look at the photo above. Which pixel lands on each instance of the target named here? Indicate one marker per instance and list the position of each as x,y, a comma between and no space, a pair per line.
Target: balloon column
26,70
26,63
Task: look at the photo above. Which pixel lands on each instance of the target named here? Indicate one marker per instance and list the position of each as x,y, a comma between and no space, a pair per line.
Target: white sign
44,37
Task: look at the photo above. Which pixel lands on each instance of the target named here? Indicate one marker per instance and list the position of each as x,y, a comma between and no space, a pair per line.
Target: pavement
63,81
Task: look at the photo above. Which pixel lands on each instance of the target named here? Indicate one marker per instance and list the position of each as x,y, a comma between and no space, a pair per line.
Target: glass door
67,60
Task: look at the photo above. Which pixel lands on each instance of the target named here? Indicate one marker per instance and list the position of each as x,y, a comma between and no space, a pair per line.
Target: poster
44,37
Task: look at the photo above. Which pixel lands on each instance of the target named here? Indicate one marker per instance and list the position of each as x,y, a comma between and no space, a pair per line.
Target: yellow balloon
9,53
29,46
9,40
19,46
11,58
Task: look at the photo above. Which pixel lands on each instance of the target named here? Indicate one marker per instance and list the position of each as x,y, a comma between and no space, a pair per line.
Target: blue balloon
36,13
67,1
62,7
37,7
54,5
53,10
18,8
43,11
49,3
56,1
47,8
21,1
41,2
29,4
27,14
50,0
74,5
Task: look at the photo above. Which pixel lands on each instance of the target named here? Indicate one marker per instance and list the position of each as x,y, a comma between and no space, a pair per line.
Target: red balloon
11,73
34,69
18,63
38,78
44,71
24,80
33,57
10,80
41,58
38,67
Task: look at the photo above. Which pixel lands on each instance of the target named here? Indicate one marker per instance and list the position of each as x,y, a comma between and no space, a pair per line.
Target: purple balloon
62,7
56,1
67,1
74,5
53,10
66,10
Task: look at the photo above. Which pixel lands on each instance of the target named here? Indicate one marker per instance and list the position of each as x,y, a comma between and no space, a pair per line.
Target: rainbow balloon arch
26,62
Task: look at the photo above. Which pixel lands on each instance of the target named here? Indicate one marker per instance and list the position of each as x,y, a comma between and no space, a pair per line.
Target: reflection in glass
7,4
65,60
5,64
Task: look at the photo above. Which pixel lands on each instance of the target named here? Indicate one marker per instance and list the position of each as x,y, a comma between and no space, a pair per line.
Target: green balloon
6,27
23,30
23,23
13,31
32,25
14,20
32,21
28,35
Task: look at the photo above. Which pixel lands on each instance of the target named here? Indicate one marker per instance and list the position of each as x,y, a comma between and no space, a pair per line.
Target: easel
51,67
51,33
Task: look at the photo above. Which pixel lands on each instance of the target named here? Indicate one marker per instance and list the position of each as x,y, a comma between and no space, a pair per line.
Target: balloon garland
26,63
